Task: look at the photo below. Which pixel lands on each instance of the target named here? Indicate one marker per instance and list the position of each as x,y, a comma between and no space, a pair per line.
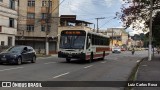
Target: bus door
89,51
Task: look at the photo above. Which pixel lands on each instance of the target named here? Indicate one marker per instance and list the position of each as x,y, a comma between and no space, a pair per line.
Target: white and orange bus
82,45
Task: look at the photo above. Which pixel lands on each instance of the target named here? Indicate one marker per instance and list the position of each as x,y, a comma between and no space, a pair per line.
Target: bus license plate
69,55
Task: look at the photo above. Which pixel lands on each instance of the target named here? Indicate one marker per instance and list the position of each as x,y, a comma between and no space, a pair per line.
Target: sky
88,10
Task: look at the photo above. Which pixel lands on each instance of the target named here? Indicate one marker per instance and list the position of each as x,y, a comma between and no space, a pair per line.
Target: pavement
149,71
115,67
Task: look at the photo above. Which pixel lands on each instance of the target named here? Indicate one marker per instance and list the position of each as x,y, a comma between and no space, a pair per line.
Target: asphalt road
115,67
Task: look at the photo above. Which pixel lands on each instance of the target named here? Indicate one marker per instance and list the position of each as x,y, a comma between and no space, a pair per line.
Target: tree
156,29
134,11
137,11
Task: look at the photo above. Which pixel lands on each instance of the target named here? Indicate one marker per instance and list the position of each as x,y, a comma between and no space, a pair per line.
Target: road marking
11,69
88,66
61,75
138,60
103,62
49,62
144,65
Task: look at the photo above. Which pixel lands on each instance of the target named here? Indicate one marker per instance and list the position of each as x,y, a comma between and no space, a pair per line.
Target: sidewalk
45,57
149,71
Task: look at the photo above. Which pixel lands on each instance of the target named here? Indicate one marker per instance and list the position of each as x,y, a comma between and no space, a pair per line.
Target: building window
44,16
11,22
31,15
9,41
0,28
46,3
31,3
30,28
50,3
12,4
43,28
2,43
18,2
49,28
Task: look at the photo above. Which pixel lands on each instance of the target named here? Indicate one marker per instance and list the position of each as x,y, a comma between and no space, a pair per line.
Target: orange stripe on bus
95,56
102,49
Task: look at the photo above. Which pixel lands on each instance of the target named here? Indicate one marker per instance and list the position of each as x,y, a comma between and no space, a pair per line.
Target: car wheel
33,59
19,61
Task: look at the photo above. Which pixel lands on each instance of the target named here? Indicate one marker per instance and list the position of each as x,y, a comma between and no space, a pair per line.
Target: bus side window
88,43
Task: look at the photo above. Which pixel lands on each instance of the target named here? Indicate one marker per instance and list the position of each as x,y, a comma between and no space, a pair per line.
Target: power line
107,22
57,6
97,22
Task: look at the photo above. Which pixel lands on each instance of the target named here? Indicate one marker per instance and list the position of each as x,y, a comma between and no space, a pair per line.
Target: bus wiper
69,41
75,39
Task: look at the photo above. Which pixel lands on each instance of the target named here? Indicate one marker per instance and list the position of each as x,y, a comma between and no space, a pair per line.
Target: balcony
31,9
7,30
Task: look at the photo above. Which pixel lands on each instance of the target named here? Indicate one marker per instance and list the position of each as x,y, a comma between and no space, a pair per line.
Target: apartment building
8,22
34,25
118,36
70,22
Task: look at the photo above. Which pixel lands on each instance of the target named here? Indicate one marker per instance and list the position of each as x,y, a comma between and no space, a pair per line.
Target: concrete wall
4,37
5,14
124,39
37,21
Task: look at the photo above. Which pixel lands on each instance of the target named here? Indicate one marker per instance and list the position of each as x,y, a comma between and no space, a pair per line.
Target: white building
8,22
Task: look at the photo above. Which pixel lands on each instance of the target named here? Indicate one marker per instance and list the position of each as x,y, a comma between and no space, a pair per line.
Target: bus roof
91,32
99,34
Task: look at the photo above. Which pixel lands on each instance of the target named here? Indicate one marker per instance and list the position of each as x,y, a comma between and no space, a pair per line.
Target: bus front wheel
68,59
91,57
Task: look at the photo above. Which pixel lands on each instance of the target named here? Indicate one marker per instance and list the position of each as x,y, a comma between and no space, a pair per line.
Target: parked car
116,50
18,55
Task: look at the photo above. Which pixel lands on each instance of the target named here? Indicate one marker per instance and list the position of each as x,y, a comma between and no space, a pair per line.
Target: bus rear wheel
68,59
103,55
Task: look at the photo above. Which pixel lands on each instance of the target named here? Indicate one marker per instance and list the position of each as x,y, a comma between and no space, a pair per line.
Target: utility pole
150,32
112,38
47,27
97,23
94,28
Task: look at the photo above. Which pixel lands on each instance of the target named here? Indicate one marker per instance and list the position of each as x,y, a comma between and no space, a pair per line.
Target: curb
43,57
133,75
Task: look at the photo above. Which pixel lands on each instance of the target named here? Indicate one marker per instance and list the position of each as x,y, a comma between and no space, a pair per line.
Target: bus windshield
72,42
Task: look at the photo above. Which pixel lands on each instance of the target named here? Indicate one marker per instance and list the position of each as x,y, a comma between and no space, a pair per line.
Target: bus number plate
69,55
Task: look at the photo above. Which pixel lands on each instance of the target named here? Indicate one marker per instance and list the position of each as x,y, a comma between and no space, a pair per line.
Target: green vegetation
139,10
